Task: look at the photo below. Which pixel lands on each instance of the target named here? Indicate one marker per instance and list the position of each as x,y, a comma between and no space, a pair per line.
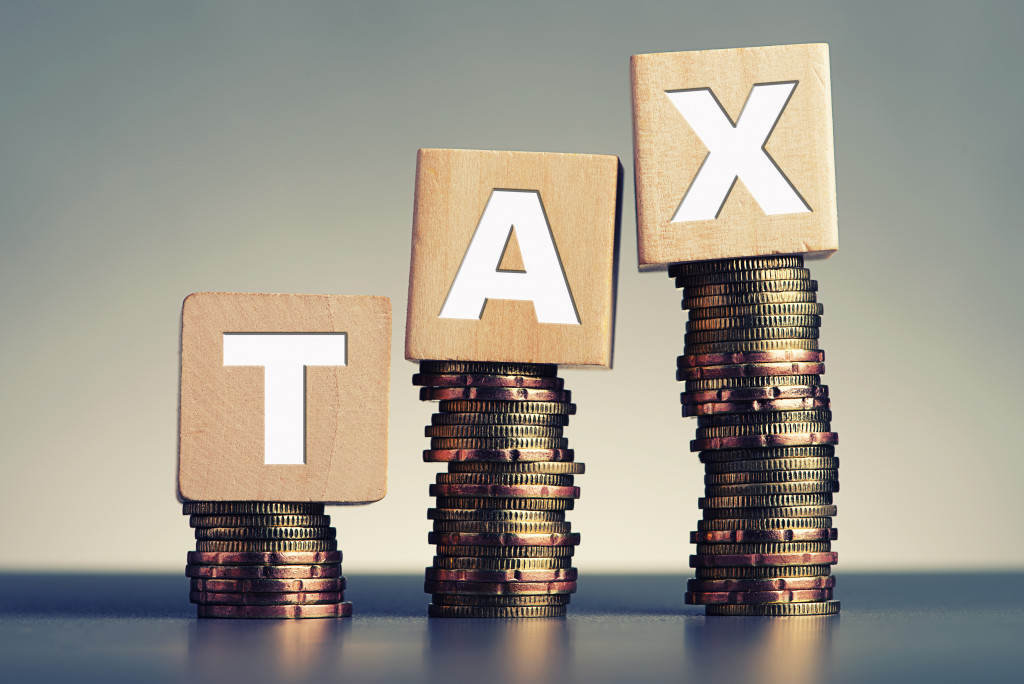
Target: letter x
736,151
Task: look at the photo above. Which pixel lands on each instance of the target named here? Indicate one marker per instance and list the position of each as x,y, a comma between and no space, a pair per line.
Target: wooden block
284,397
733,154
513,257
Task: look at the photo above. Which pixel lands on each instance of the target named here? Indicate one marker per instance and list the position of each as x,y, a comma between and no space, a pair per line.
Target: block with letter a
284,397
733,154
512,257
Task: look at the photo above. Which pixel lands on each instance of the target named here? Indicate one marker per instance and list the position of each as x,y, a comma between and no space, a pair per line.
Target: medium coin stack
752,370
504,548
264,560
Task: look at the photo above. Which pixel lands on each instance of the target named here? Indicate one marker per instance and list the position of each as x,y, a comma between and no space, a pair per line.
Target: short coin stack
504,548
264,560
752,370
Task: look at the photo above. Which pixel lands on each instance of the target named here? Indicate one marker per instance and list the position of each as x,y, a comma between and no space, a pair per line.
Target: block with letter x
512,257
284,397
733,154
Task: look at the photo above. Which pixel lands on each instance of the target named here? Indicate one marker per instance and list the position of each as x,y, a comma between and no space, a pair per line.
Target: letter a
542,281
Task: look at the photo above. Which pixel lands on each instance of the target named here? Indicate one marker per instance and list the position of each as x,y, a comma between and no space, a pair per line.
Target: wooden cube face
512,257
733,154
284,397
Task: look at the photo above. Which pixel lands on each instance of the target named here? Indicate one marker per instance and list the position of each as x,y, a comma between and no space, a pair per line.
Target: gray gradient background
148,150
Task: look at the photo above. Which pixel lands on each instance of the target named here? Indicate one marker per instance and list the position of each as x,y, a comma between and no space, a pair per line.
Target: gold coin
508,503
780,453
800,416
546,467
506,551
711,384
791,321
251,508
821,486
764,548
434,610
240,533
490,527
750,299
500,600
792,309
265,546
790,285
764,501
692,268
488,368
773,609
750,334
499,443
260,520
770,476
752,276
728,524
751,346
505,479
494,515
546,419
766,429
484,563
764,572
795,511
498,406
492,431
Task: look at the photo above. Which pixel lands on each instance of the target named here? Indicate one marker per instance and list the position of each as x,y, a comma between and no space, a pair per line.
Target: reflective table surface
621,628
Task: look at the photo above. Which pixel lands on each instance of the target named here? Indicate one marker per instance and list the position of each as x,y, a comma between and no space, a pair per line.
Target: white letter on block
284,358
543,281
736,152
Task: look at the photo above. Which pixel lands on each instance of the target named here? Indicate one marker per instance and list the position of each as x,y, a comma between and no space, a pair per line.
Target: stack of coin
504,548
258,559
752,369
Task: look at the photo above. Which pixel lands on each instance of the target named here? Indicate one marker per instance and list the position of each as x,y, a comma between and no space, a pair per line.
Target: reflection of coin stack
504,548
264,560
752,369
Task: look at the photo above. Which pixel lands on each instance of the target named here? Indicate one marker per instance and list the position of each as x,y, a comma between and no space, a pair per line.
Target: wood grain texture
579,195
668,154
221,439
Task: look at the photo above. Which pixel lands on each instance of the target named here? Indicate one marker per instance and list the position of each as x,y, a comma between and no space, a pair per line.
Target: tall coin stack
752,370
264,560
504,548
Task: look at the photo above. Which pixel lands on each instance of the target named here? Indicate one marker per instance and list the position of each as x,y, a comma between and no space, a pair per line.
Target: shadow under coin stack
264,560
504,548
752,369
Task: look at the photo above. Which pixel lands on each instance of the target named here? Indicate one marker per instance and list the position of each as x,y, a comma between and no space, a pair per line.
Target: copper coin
531,382
499,443
546,419
776,584
266,546
739,264
506,551
269,533
754,394
726,549
499,588
808,416
564,408
828,511
269,585
502,576
494,394
541,467
754,441
817,486
776,356
764,501
759,559
498,455
492,431
503,564
774,609
712,384
502,539
745,536
763,572
743,370
490,600
259,520
732,524
496,516
506,479
308,610
487,368
744,597
750,345
499,612
749,298
770,476
791,309
265,598
505,491
264,558
719,408
531,504
263,571
251,508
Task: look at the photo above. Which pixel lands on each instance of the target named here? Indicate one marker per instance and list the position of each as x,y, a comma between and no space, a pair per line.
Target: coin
269,585
487,367
706,384
763,535
782,453
775,609
500,600
761,524
464,380
503,576
477,515
765,501
265,598
749,298
549,419
761,559
264,557
776,584
314,610
503,564
264,533
265,546
494,394
434,610
808,416
491,431
499,588
728,549
505,479
725,431
497,455
827,511
503,539
716,408
753,597
263,571
498,443
754,394
531,504
770,440
755,321
751,345
478,406
740,370
766,476
546,467
755,286
506,551
251,508
751,276
743,264
794,309
259,520
488,527
504,491
819,486
739,334
762,572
